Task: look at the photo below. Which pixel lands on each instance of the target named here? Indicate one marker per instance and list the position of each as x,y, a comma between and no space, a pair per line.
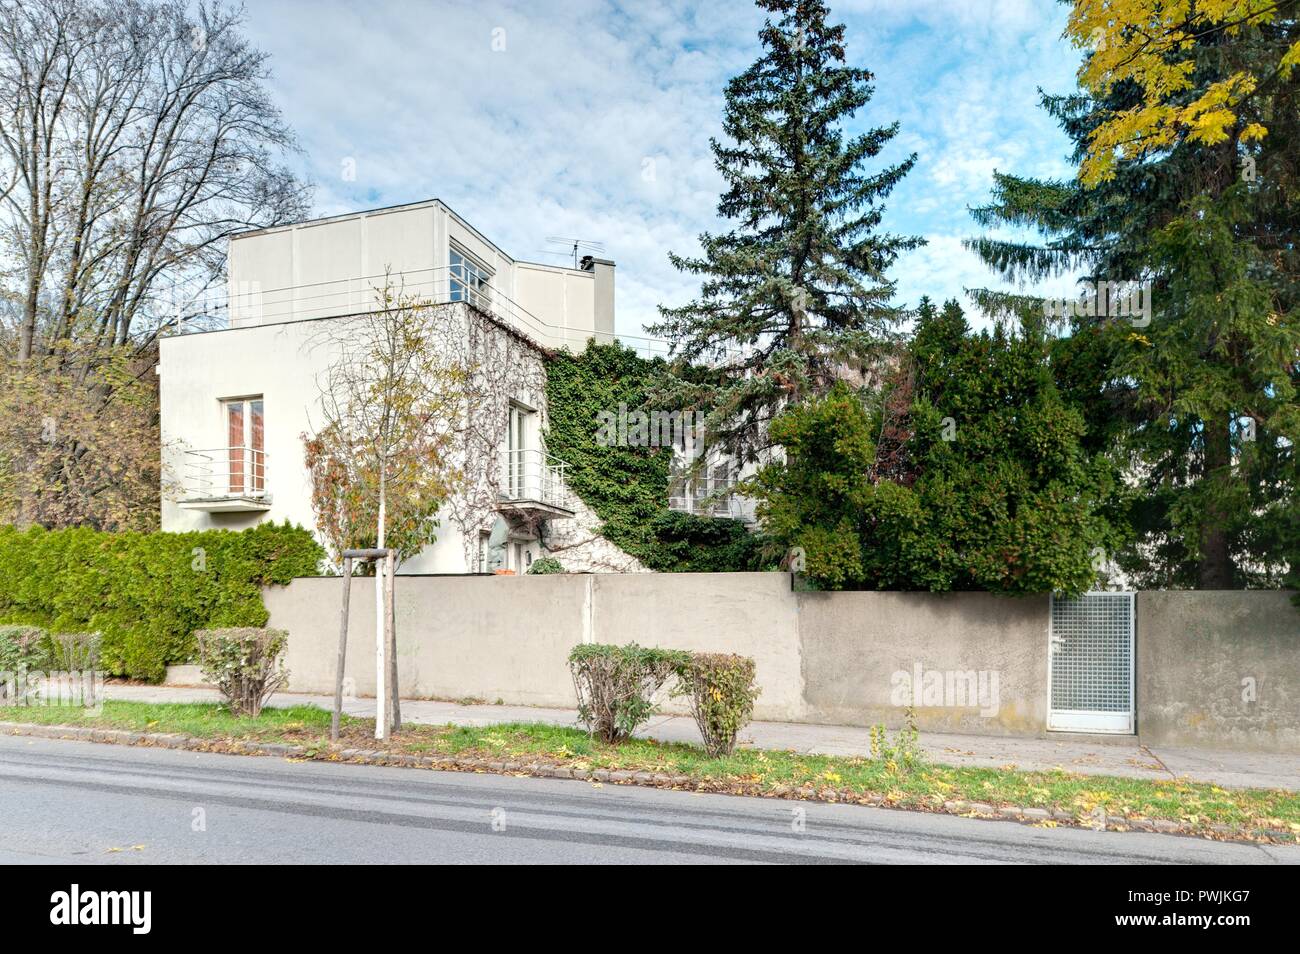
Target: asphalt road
84,803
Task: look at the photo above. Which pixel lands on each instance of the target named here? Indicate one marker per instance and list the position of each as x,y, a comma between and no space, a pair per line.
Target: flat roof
344,216
339,216
402,206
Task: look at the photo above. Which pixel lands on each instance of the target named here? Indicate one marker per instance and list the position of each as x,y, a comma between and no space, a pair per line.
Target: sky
592,118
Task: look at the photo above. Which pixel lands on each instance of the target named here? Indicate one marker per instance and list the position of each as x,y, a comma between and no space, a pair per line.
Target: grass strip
1196,808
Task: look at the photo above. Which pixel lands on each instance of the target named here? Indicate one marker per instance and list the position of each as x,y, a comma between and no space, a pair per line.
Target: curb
1028,815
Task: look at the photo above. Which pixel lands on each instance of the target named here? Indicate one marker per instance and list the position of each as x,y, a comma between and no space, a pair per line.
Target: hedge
147,592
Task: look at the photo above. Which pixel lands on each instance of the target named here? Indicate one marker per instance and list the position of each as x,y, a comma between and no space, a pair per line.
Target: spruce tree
796,293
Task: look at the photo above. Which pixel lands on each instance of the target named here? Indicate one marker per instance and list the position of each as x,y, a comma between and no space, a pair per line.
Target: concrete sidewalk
1117,755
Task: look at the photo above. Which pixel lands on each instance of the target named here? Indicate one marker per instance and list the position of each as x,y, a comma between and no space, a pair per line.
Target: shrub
147,593
545,566
616,685
722,693
23,648
245,664
74,652
1013,501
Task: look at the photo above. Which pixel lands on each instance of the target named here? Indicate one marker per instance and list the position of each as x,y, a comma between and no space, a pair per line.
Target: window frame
245,475
470,278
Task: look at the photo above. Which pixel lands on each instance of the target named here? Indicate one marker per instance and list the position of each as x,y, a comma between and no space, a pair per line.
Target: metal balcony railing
224,472
249,303
534,475
442,285
709,497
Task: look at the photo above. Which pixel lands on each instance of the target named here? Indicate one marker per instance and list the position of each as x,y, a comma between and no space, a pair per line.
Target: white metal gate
1090,667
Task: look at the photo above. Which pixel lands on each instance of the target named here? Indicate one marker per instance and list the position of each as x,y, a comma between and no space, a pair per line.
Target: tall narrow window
245,446
517,451
235,422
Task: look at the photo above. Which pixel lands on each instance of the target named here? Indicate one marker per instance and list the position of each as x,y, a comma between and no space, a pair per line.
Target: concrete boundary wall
865,653
966,662
1219,668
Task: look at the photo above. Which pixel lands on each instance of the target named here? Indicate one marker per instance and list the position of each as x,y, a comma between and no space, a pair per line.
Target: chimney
603,271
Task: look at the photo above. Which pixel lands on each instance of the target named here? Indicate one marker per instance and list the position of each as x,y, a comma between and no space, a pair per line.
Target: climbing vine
627,487
505,367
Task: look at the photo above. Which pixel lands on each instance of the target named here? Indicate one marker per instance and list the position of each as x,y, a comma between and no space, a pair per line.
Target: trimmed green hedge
147,592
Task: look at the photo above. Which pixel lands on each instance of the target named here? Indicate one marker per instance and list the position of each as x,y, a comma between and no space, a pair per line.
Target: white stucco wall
332,267
287,364
282,363
290,286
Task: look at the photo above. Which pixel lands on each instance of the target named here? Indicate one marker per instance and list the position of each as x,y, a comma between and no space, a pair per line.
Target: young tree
382,460
796,291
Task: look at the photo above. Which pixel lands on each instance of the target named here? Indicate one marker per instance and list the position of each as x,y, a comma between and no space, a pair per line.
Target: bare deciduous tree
135,137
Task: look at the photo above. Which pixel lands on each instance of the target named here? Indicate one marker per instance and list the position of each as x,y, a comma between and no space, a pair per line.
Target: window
701,492
470,281
245,446
517,456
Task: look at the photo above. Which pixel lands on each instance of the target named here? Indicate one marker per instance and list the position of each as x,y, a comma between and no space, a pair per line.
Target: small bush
904,754
722,693
245,664
74,652
616,685
546,565
23,648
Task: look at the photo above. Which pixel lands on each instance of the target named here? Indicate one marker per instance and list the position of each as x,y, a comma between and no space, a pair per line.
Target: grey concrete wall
490,637
1219,669
753,614
863,653
966,662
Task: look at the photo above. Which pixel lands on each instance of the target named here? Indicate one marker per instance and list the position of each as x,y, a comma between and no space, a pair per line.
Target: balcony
225,480
709,496
532,487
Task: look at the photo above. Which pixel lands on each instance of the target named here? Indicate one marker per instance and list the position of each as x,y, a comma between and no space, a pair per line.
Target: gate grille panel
1092,653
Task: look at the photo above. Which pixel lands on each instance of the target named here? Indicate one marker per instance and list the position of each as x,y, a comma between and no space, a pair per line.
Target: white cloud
554,133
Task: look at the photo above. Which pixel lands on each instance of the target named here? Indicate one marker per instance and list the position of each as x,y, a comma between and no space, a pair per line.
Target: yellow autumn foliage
1132,40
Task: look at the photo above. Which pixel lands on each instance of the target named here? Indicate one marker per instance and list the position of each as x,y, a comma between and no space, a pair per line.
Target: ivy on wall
627,487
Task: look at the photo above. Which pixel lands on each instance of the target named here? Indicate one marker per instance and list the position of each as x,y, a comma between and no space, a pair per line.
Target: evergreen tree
1202,404
996,491
796,292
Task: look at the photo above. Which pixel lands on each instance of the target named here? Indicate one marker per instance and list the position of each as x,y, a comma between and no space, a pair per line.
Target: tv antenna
573,245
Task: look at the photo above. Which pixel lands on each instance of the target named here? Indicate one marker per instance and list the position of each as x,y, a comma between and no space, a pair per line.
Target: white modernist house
236,402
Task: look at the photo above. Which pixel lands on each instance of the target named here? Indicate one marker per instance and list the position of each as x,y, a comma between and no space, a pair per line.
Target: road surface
84,803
